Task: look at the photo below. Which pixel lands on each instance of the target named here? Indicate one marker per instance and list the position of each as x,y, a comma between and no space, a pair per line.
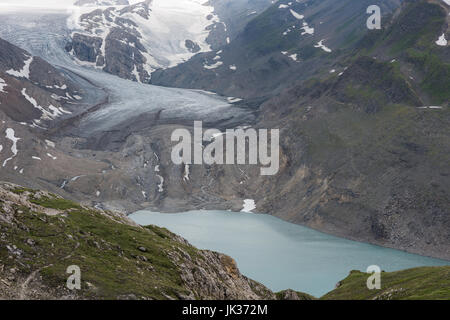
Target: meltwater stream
279,254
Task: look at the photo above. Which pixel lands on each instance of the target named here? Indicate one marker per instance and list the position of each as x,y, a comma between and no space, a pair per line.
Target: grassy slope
426,283
414,43
107,252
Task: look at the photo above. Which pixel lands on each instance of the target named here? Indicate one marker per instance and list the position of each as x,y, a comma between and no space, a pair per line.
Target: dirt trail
24,286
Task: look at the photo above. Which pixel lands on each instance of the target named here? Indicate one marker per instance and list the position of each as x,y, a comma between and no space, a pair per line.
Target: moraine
279,254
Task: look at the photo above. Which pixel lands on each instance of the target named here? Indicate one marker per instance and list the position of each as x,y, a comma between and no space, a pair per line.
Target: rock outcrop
33,92
41,235
133,40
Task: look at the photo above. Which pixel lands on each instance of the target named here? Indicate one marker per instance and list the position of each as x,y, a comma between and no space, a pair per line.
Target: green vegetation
414,43
263,34
407,32
22,190
426,283
115,259
119,260
381,137
365,95
55,203
436,72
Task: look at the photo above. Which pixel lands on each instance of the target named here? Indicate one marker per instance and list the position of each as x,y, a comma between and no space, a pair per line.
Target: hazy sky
57,4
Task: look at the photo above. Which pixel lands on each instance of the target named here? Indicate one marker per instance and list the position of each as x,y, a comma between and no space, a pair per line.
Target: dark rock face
367,74
31,80
141,8
14,105
363,153
218,35
11,57
120,51
360,155
85,48
235,15
192,46
256,48
123,58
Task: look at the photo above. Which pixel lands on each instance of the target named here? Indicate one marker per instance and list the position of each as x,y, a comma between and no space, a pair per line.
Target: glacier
44,34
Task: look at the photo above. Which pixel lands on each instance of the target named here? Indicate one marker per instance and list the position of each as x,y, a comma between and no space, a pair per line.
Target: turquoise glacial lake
279,254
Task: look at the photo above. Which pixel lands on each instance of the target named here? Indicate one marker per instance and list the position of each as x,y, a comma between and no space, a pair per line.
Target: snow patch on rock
294,57
233,99
442,41
2,85
322,46
46,114
213,66
25,72
50,144
161,183
186,172
296,15
307,29
51,156
249,205
10,135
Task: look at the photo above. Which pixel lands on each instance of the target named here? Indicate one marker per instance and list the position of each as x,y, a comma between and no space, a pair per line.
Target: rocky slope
33,92
288,42
35,99
41,235
134,39
366,147
364,142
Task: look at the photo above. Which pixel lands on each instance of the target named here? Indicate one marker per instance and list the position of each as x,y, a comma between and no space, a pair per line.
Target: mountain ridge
363,150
